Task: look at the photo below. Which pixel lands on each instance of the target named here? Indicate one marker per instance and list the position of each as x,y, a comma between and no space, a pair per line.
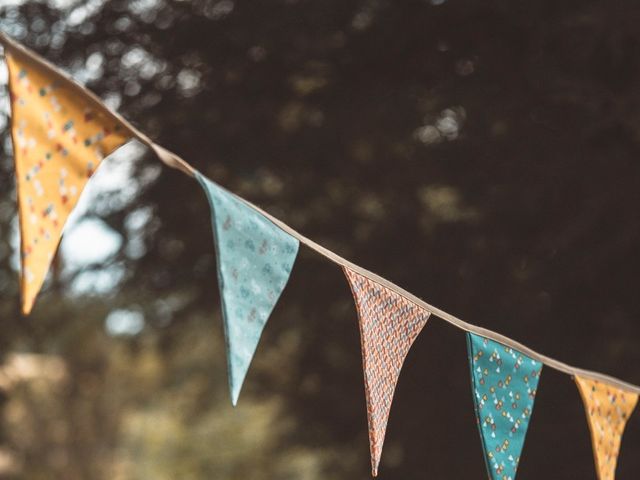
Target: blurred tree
482,155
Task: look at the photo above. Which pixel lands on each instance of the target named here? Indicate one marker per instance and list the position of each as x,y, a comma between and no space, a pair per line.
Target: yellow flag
60,136
608,409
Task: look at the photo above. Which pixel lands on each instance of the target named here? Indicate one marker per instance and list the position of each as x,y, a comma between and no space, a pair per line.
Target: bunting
255,259
59,140
608,409
504,383
389,324
61,133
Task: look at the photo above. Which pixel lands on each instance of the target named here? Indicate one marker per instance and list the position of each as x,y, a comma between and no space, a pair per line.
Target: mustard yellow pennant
608,409
59,138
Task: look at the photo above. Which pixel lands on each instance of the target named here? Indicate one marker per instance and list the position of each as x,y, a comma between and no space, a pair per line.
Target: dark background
483,155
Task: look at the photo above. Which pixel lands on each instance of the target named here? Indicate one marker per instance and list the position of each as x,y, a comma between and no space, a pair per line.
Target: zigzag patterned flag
389,324
255,259
504,383
608,409
59,139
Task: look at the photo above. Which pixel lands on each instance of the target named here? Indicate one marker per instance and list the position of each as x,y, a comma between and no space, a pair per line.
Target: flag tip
26,308
235,395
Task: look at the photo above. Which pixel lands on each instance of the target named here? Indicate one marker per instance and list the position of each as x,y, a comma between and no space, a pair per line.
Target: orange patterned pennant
608,409
59,139
389,324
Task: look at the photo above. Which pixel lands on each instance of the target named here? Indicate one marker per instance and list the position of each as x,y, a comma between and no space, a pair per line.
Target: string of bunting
61,132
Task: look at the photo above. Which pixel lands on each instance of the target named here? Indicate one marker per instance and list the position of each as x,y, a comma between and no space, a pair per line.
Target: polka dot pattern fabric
608,409
59,140
505,384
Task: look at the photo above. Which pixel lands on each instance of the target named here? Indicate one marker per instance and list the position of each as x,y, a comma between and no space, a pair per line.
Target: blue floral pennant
504,383
255,259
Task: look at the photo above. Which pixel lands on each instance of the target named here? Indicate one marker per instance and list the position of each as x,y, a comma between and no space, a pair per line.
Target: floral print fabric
255,259
504,383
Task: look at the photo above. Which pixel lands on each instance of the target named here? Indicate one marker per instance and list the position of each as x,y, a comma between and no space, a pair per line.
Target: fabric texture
608,409
504,383
389,324
58,143
255,259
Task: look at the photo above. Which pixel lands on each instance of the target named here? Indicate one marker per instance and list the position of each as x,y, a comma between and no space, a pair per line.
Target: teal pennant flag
504,383
255,259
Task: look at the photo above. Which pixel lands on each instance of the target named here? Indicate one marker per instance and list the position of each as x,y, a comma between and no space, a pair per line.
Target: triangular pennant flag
255,259
504,383
59,139
389,324
608,408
